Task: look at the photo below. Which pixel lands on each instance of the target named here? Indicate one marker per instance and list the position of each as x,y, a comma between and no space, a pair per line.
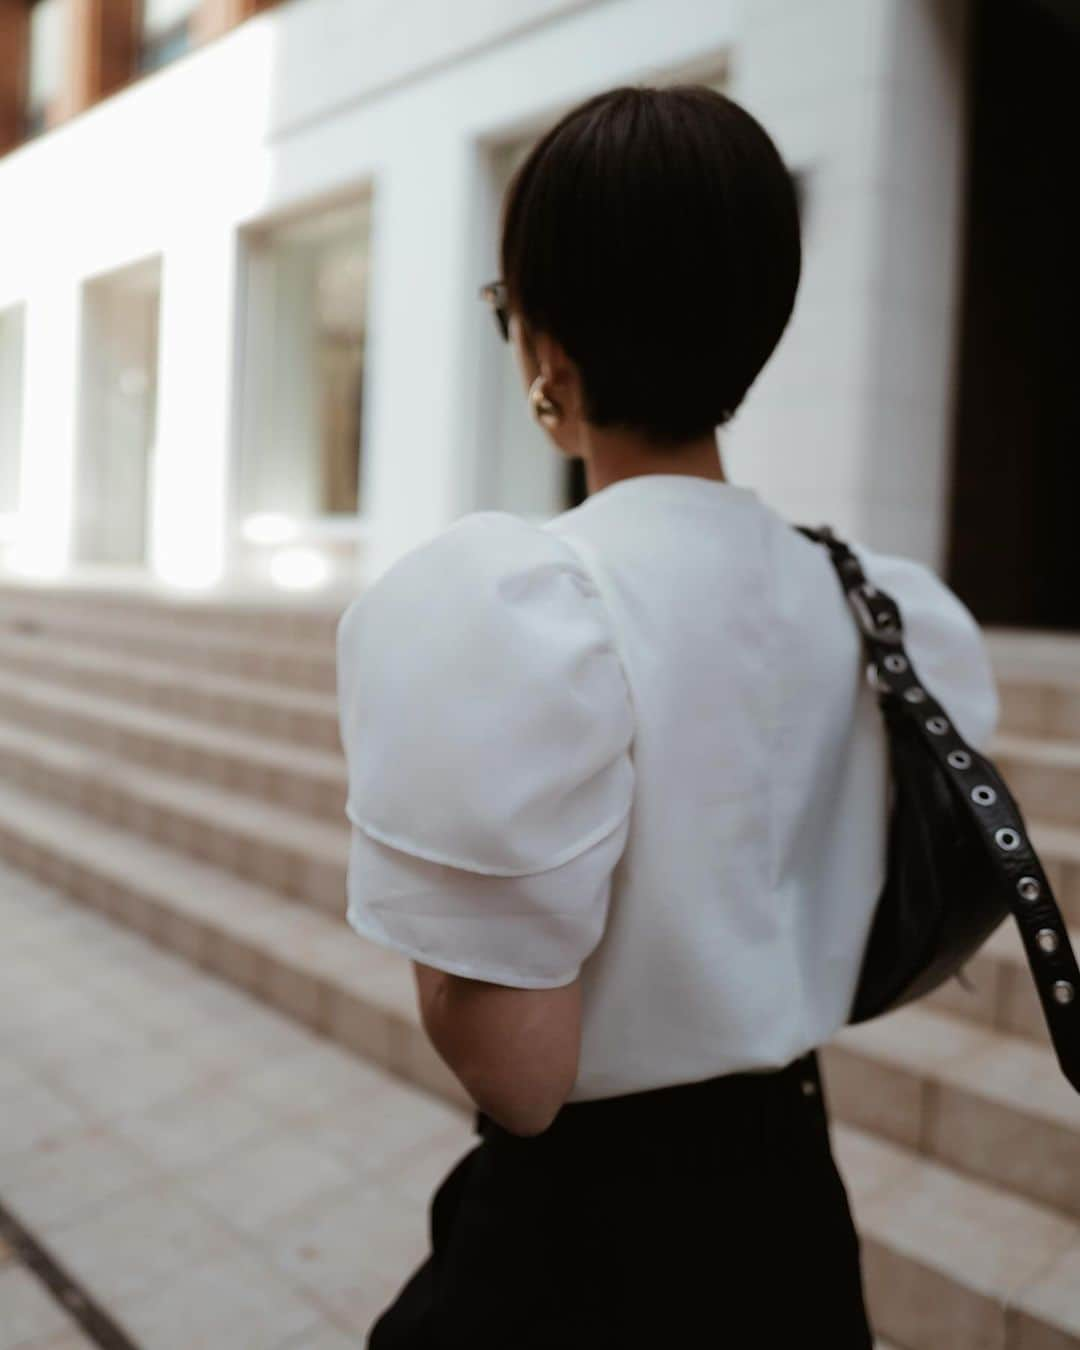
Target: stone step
309,781
1058,846
1038,678
1043,775
271,659
993,1106
295,854
306,717
1003,992
308,965
279,616
949,1260
1040,705
305,858
953,1263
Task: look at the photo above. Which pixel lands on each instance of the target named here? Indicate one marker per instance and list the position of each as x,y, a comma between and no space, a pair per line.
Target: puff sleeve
487,726
948,648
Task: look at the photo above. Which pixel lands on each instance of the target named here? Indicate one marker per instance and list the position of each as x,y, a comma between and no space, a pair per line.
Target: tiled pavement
213,1174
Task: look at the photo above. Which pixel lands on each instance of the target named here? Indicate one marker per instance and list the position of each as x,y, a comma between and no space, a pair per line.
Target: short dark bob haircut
654,233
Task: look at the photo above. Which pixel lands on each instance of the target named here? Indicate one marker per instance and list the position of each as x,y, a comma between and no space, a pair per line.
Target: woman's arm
515,1050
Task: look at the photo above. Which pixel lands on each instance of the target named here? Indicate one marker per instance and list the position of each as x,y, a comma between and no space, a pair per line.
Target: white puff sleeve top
637,743
487,724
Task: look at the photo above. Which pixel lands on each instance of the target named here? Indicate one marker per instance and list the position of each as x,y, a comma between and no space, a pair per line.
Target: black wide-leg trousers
702,1214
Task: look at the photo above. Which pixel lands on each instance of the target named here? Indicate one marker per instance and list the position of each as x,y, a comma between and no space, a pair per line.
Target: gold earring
546,411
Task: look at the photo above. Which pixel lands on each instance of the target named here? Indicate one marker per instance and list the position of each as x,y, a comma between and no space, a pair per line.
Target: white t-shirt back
636,743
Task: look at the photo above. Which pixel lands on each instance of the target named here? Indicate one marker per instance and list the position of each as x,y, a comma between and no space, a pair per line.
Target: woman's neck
611,456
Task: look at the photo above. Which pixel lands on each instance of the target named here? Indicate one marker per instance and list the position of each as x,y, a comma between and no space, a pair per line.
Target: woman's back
756,842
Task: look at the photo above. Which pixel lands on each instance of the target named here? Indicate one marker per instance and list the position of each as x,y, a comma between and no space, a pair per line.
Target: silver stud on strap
983,795
938,725
959,759
1063,991
1007,838
915,694
895,662
809,1087
1029,888
1047,940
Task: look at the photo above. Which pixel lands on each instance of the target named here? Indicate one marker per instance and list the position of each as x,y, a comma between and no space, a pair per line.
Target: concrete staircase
177,766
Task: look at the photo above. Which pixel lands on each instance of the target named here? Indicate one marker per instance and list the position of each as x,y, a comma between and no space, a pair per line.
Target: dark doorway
1014,545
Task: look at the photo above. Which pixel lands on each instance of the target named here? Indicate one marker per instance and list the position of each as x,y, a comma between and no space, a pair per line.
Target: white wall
317,98
850,421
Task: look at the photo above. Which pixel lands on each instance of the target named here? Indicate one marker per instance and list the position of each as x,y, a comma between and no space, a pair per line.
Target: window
526,475
165,31
46,54
305,339
117,414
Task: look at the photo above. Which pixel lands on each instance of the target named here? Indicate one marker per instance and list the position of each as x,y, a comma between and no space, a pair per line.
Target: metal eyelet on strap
1029,889
1063,991
915,694
959,759
1007,838
938,725
983,795
1047,940
895,662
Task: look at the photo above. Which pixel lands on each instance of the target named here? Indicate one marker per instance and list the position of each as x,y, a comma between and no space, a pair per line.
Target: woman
619,788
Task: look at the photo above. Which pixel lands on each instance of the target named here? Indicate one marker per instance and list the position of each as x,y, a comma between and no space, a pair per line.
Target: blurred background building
243,366
240,245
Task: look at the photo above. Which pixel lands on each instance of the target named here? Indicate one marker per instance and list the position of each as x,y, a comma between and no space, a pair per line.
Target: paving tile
133,1080
100,1031
29,1310
34,1116
373,1134
417,1172
255,1186
129,1245
233,1302
195,1128
316,1078
353,1251
14,1077
326,1338
258,1035
66,1340
46,1002
61,1178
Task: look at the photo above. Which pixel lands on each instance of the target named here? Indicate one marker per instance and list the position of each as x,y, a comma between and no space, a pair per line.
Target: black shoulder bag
959,857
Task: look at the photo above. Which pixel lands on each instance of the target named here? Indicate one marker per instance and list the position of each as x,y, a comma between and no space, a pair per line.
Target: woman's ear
560,374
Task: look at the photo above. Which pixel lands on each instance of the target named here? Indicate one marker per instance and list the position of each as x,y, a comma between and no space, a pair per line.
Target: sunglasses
495,295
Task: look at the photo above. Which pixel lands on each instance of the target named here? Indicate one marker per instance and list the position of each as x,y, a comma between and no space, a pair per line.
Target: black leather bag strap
985,794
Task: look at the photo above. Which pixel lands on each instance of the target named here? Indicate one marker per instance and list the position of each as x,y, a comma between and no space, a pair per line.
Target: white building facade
240,340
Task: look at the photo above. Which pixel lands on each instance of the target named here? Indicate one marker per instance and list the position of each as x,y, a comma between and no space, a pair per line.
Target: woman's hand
514,1050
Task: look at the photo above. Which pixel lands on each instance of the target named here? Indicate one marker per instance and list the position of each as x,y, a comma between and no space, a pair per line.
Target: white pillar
914,332
417,372
849,423
51,382
190,494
